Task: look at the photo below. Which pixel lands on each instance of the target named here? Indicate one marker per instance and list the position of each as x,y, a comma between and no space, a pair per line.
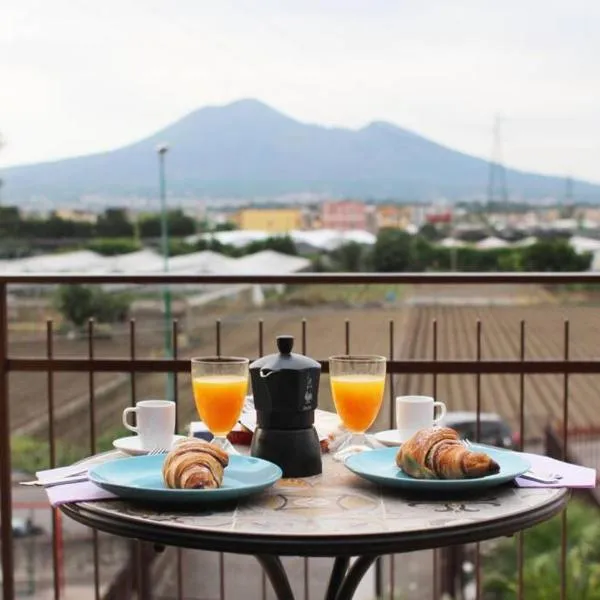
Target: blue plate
380,467
140,478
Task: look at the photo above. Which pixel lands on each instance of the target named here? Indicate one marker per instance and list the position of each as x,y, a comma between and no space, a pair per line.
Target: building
392,216
437,215
344,215
275,220
75,214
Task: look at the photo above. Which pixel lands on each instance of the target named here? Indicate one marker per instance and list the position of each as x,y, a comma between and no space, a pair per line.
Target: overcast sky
78,76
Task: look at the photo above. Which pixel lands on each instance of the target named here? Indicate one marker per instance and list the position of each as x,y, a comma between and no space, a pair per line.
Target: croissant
194,463
438,453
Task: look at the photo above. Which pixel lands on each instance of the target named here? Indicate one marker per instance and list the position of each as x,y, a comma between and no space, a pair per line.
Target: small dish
390,437
131,445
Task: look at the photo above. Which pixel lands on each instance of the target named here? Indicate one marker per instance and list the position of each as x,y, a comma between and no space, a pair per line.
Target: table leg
342,582
353,577
277,576
340,567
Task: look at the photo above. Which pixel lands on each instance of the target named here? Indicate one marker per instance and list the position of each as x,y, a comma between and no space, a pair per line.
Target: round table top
333,514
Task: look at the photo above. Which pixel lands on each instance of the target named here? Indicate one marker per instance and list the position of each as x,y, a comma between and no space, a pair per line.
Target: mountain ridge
247,148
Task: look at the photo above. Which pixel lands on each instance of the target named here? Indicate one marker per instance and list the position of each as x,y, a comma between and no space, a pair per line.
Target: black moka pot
285,387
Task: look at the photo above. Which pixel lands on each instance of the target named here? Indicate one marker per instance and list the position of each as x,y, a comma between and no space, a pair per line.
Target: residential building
392,216
344,215
75,214
271,220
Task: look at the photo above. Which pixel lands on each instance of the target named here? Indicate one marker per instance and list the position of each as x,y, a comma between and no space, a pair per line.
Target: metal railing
432,367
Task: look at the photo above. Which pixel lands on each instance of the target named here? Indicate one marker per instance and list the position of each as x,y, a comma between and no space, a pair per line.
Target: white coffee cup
155,423
417,412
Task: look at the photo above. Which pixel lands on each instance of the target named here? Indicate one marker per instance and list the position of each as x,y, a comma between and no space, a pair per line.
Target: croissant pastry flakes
194,464
438,453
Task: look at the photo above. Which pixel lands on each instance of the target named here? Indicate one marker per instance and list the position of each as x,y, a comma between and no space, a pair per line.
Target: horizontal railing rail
307,277
394,367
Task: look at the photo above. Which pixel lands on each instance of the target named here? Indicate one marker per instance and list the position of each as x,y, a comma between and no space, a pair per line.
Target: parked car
494,430
24,528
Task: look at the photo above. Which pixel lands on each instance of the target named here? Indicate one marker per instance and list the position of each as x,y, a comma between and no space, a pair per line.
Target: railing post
6,538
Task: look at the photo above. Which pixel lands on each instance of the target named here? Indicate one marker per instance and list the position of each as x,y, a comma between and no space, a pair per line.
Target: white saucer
390,437
131,444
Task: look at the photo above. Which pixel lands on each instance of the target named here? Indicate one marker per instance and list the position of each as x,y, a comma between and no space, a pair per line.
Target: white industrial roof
452,243
202,262
149,262
270,262
595,266
583,244
490,243
141,261
324,239
67,262
528,241
330,239
237,238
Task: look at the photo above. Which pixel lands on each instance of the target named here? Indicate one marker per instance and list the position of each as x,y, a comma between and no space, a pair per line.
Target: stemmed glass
357,384
220,384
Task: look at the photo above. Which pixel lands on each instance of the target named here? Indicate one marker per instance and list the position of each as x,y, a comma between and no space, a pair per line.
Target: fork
157,451
538,476
58,481
74,474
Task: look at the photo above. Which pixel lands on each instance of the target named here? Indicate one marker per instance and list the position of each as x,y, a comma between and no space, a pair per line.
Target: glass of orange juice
357,383
220,384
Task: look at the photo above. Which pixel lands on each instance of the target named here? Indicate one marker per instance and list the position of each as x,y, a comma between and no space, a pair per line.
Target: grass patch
29,454
349,295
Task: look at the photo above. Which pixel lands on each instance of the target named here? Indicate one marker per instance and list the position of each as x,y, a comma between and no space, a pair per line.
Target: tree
76,303
56,227
553,255
227,226
114,223
430,232
178,225
214,245
279,243
542,554
10,221
392,251
318,264
114,246
348,258
178,246
79,303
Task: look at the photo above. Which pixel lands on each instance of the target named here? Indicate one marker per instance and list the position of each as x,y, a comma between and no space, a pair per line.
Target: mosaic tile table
335,514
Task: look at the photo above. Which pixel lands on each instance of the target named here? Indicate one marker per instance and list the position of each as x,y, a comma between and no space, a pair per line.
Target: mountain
247,148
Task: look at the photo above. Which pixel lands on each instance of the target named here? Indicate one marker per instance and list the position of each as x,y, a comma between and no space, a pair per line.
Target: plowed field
500,339
369,332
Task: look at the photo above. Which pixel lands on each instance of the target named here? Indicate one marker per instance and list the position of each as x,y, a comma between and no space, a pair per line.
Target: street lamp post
164,238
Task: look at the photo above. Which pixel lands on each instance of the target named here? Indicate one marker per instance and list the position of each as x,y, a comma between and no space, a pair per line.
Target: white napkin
573,476
327,424
80,491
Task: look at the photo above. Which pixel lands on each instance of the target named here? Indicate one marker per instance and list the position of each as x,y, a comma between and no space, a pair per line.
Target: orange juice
357,399
219,400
